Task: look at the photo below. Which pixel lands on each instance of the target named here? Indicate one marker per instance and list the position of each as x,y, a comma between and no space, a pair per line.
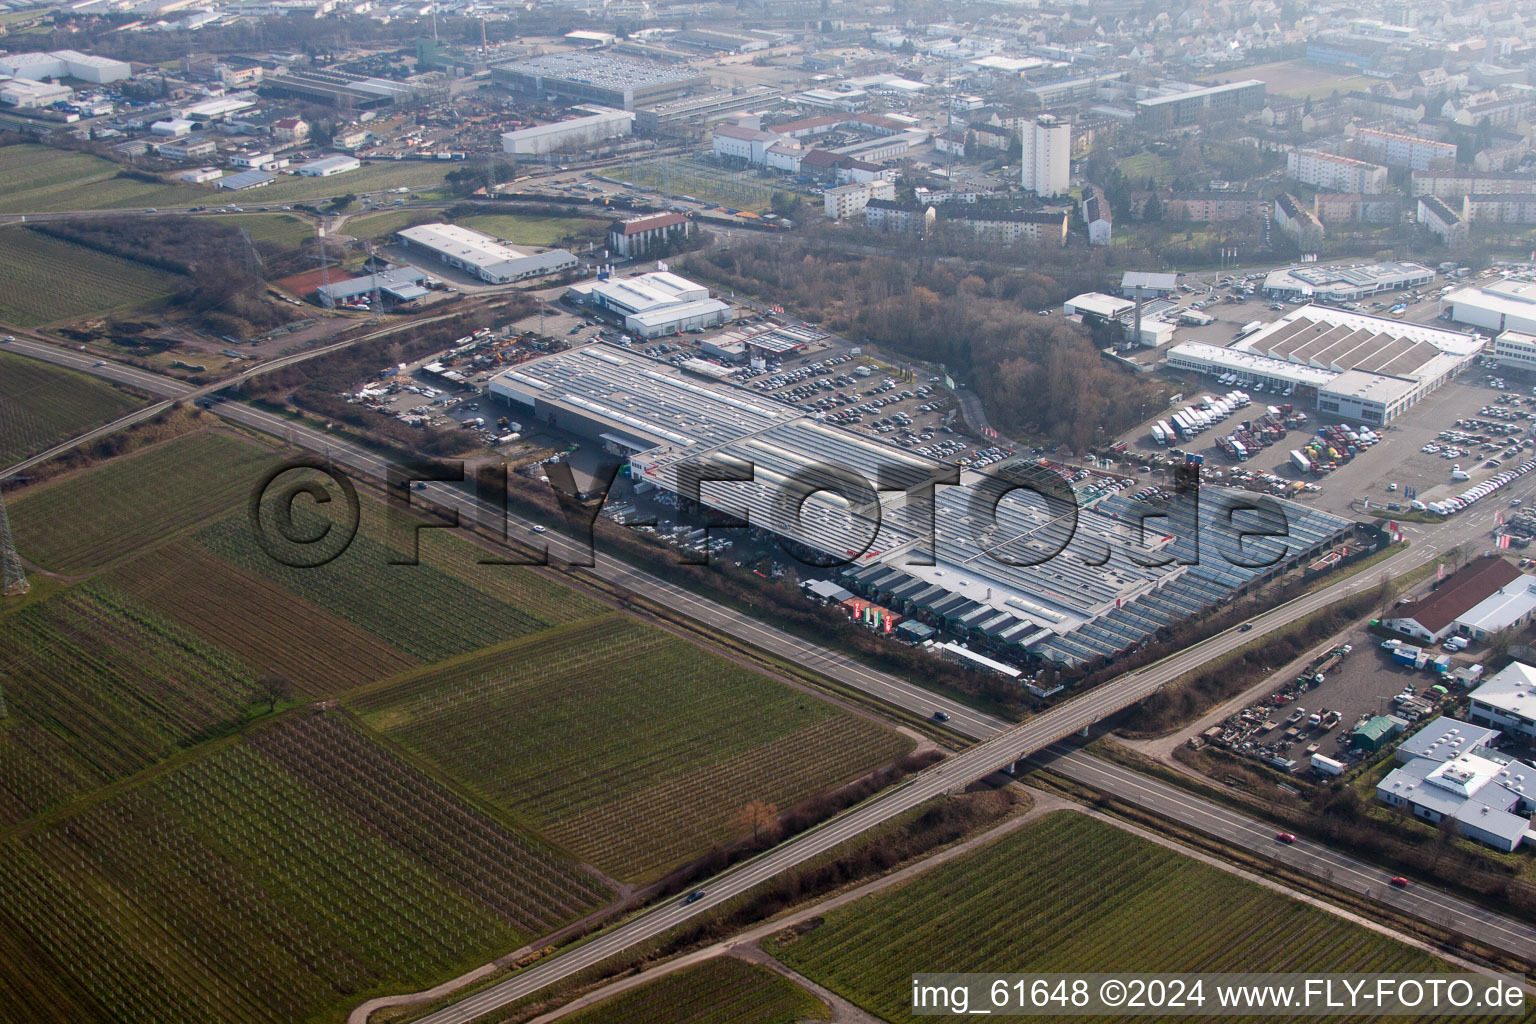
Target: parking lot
858,394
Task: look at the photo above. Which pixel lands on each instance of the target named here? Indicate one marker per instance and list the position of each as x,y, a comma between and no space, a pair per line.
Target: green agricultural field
269,628
542,231
633,748
279,878
1070,893
724,990
41,179
101,687
285,229
419,174
88,521
42,405
386,223
43,279
443,607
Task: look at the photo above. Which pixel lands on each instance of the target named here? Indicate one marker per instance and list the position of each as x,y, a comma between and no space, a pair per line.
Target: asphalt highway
1001,743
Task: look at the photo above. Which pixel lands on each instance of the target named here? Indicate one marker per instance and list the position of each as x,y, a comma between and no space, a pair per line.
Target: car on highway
1285,837
1399,881
1245,627
10,337
538,529
100,362
694,897
941,716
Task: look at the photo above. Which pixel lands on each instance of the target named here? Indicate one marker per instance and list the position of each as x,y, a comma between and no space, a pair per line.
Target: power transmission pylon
13,579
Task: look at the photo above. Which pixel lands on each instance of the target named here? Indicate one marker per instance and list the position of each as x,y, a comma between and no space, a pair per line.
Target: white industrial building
576,134
326,166
1003,603
654,304
1365,368
1507,702
1513,349
479,254
26,94
64,64
172,128
1450,770
1344,282
1507,305
1047,156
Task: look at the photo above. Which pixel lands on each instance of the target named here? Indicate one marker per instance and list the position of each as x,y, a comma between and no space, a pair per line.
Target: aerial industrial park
761,513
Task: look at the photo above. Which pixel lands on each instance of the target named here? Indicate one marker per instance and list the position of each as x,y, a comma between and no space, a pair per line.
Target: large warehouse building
64,64
1506,305
487,258
1365,368
564,136
1034,584
653,304
581,76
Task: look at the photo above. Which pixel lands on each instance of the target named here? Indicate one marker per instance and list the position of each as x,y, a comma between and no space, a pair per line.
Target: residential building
636,236
1507,702
1047,156
845,200
1437,217
1335,173
1512,208
1357,207
1298,222
899,217
1003,227
1096,214
290,130
1398,150
1433,617
1213,206
1453,184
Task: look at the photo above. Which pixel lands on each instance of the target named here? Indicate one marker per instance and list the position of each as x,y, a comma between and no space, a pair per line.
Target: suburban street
1001,743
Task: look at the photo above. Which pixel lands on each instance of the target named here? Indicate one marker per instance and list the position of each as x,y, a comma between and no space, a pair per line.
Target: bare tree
274,687
761,817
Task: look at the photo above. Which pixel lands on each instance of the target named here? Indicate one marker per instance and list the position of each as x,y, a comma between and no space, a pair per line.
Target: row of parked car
1472,495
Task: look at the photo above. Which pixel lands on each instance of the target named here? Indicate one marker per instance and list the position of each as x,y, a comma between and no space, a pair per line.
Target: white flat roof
676,312
1363,386
472,247
1099,304
1511,689
1510,603
1249,362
